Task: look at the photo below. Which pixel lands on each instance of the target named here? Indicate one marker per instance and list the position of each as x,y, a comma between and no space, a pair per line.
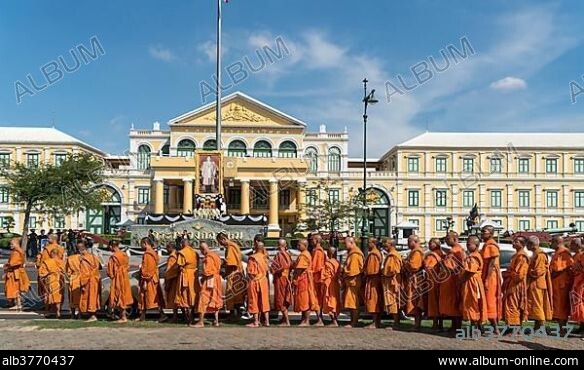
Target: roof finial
132,126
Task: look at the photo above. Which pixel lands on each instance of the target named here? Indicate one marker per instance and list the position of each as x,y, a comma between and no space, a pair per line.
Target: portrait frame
216,158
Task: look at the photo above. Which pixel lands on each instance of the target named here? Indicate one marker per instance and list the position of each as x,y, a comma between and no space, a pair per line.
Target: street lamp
368,98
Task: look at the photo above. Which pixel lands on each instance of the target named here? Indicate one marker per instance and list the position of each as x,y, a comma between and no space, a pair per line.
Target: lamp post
368,98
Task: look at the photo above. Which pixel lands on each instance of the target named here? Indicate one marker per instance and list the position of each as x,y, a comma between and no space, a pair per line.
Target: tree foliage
326,214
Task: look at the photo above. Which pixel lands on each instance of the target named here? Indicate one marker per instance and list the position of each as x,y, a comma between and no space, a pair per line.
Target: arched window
262,149
186,148
312,159
287,150
143,157
210,144
237,148
165,151
334,160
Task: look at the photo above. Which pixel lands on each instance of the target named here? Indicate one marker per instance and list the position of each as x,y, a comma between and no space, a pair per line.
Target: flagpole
218,85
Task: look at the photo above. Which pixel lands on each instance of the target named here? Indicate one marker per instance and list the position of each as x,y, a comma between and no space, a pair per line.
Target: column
273,226
172,197
244,210
188,196
301,200
158,196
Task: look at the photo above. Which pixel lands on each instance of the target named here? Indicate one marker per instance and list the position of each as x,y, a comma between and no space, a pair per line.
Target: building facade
271,165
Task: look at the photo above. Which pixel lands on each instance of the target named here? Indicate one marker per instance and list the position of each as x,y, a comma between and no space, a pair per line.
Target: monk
304,295
171,280
473,302
577,293
72,268
560,268
90,282
391,281
235,285
352,275
412,279
45,254
281,277
50,272
432,267
373,291
449,300
120,295
188,287
331,284
16,279
149,292
491,276
539,285
318,260
258,289
210,297
515,285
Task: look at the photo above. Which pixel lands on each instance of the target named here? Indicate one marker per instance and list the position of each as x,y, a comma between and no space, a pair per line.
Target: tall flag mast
218,81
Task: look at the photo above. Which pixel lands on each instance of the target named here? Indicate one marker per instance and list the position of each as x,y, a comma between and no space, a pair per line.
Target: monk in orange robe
304,295
352,275
449,300
492,276
318,260
16,279
149,294
235,280
258,290
51,272
539,285
188,287
373,291
72,268
120,295
171,281
391,281
280,269
560,268
412,279
90,282
45,254
473,299
331,284
432,267
210,297
577,293
515,285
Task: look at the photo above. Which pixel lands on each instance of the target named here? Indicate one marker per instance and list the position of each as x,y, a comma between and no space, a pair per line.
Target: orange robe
560,267
150,294
50,272
539,288
73,269
450,288
188,287
352,274
515,290
44,255
211,296
373,293
331,286
391,282
281,278
473,300
171,281
577,294
90,281
258,289
15,277
120,295
235,280
412,276
304,295
492,280
317,265
432,296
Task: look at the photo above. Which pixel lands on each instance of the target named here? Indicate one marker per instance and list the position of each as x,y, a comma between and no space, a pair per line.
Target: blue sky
158,52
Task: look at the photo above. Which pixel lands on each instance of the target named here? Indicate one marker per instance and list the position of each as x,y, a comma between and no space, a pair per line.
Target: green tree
324,212
71,186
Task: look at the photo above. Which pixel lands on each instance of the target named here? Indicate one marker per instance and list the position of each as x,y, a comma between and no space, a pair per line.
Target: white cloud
509,84
209,48
161,53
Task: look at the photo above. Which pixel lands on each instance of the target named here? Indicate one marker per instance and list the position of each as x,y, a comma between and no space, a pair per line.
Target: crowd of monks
461,284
